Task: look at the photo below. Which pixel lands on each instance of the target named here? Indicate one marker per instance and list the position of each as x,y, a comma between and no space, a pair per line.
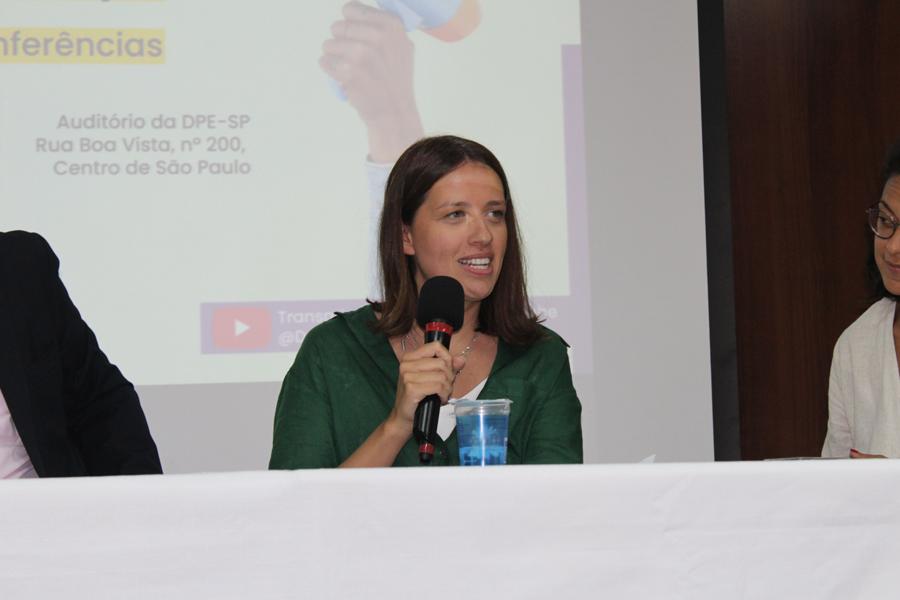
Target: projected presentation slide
211,172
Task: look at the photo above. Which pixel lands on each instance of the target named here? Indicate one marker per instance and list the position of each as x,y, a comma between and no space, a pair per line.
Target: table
785,529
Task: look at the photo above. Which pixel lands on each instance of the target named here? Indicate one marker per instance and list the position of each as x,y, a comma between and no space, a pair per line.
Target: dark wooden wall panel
813,101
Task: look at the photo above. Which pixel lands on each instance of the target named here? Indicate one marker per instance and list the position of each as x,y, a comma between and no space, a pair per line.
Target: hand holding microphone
370,59
429,369
426,375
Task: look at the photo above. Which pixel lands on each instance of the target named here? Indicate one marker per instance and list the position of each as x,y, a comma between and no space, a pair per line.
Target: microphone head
446,20
457,25
441,299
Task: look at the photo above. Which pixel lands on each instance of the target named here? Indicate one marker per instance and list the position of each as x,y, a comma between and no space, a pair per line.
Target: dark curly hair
891,169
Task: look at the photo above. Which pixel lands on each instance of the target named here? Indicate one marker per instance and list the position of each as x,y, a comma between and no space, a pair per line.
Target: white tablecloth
811,529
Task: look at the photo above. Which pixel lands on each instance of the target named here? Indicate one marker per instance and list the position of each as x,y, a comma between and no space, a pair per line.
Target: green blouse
343,383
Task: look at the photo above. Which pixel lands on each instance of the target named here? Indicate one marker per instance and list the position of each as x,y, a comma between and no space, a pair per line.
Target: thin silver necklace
415,345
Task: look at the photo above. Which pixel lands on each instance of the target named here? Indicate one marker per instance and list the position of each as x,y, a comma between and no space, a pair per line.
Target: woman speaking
350,397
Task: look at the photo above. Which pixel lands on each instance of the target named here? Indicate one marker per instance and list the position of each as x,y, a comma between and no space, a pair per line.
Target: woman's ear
408,247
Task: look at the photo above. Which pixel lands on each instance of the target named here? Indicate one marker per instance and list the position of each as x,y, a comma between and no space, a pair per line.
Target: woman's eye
497,214
456,214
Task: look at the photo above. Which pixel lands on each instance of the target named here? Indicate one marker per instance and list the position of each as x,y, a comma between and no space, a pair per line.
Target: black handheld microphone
439,313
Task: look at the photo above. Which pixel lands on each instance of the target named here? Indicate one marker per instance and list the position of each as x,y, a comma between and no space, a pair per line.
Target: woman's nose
893,244
481,232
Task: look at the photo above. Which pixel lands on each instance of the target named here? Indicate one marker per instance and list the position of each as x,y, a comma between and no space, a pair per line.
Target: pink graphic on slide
241,328
230,327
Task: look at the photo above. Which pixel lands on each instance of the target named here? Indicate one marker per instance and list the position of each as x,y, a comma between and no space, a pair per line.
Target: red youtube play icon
241,328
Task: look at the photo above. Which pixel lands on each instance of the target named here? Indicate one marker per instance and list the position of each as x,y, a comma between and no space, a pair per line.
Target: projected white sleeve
377,174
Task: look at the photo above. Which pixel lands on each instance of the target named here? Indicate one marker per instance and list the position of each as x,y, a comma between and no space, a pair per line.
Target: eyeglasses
882,221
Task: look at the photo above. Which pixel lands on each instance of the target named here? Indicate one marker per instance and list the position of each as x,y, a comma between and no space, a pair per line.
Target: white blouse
14,460
864,387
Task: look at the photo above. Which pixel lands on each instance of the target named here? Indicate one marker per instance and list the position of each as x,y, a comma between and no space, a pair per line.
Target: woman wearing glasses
864,387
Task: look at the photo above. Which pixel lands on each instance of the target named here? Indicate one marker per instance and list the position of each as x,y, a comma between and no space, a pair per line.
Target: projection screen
213,193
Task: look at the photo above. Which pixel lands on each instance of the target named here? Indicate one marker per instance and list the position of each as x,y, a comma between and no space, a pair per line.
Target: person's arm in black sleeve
103,413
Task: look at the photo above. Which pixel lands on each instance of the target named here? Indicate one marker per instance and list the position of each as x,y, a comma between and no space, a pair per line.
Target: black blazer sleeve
80,402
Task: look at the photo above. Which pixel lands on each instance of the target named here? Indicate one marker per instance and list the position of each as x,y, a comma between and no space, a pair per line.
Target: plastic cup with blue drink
482,428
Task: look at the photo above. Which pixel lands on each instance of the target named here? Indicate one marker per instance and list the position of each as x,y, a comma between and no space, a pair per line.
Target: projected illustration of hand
371,57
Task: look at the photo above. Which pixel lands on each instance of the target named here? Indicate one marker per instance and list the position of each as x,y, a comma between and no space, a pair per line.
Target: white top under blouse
864,387
14,460
447,420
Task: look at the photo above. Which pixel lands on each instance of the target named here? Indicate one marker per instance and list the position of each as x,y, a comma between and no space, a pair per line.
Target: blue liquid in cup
482,439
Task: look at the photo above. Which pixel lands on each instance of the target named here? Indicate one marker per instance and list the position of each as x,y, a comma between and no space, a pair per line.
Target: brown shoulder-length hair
506,313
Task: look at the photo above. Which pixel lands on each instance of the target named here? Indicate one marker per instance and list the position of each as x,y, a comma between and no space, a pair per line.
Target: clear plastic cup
482,428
